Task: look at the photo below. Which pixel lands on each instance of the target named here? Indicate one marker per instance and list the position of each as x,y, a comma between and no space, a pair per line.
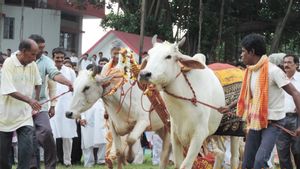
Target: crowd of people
37,130
34,129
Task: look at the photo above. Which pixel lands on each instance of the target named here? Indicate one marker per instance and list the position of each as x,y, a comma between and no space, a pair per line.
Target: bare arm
291,90
37,92
52,92
226,109
61,79
32,102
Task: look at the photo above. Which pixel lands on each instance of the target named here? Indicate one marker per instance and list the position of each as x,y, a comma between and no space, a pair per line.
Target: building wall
36,21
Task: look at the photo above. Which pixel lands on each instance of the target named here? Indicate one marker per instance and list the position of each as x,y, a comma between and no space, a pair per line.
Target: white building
58,21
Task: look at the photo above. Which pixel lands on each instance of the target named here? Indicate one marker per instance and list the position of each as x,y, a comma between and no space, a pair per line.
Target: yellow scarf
255,108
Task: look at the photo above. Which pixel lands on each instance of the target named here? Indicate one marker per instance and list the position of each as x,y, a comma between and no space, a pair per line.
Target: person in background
261,101
74,57
285,142
43,132
84,61
1,63
45,53
8,52
103,61
19,72
93,132
100,55
62,127
95,58
68,63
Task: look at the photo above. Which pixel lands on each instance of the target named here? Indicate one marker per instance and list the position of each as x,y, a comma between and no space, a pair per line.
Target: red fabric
220,66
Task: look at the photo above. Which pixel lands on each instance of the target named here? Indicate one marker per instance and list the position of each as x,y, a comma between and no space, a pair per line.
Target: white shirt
85,63
17,78
277,79
62,127
289,105
74,59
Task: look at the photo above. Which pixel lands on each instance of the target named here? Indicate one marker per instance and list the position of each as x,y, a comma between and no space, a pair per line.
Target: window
67,40
9,26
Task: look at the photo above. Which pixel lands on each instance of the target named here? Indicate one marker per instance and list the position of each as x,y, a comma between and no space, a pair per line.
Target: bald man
21,76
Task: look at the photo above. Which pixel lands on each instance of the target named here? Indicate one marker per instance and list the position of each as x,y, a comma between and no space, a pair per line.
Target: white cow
130,119
190,124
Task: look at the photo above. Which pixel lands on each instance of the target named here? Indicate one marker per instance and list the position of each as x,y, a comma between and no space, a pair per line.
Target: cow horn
154,39
181,42
143,65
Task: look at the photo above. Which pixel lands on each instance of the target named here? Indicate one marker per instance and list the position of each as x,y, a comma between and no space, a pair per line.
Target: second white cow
191,122
126,114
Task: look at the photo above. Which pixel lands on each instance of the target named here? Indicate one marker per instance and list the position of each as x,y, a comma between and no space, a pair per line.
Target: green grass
146,165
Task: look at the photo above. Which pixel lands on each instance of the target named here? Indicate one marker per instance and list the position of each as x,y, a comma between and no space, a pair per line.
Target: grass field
146,165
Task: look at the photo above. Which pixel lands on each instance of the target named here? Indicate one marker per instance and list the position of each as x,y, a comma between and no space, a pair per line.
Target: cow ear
191,64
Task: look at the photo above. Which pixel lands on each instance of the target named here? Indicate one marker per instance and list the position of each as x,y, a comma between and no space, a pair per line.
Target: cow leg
166,148
219,151
177,149
130,154
137,131
133,136
194,149
234,149
118,145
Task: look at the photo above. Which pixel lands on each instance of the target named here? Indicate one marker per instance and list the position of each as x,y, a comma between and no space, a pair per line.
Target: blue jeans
287,143
25,147
259,146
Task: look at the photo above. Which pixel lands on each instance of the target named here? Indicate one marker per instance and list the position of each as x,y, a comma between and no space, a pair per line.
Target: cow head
87,90
164,63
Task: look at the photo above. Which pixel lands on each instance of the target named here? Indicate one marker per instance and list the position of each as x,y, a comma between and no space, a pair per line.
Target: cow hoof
129,160
109,163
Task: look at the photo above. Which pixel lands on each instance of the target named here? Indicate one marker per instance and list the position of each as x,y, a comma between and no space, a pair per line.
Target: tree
279,28
211,27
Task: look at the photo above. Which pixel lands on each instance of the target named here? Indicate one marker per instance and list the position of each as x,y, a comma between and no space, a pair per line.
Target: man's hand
298,131
224,109
35,105
51,111
82,122
70,87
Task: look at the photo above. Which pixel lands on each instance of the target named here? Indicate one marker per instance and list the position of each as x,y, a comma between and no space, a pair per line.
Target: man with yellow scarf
261,102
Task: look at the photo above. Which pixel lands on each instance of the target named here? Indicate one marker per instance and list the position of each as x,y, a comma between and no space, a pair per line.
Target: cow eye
85,88
168,57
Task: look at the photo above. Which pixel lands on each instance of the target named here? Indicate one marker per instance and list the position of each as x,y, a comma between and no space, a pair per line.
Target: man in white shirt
62,127
261,102
285,142
84,61
20,77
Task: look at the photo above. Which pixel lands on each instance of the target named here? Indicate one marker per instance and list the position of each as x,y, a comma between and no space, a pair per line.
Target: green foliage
127,22
240,18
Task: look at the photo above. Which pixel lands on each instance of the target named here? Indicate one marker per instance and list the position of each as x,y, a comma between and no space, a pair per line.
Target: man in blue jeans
20,77
261,102
286,143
